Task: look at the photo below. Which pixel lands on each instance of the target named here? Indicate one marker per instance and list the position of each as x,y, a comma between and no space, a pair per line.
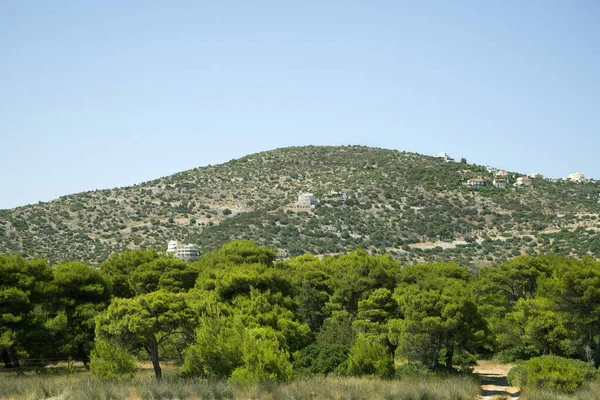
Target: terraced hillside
411,205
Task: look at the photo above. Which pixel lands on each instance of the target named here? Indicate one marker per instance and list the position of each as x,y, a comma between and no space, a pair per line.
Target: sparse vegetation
410,205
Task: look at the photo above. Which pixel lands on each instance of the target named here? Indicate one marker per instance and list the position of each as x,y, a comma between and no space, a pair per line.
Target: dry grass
589,391
83,386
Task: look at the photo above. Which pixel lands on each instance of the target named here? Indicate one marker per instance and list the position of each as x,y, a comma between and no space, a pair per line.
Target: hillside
411,205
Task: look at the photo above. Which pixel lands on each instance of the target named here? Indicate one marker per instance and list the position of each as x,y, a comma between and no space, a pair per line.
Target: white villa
577,177
500,183
306,200
477,182
444,156
524,181
185,252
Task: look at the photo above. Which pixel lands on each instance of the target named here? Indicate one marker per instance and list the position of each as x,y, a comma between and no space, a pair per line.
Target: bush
368,357
110,361
517,376
320,358
263,359
552,372
413,370
217,351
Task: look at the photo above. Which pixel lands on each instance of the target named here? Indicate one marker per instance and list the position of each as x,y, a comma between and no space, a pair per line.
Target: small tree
263,359
146,321
110,361
369,357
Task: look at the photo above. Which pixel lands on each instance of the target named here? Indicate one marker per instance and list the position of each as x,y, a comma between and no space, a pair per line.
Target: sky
97,95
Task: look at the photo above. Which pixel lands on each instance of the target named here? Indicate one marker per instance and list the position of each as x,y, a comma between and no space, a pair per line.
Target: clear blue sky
100,94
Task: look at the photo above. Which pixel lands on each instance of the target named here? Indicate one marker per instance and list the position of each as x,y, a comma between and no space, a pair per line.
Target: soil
494,384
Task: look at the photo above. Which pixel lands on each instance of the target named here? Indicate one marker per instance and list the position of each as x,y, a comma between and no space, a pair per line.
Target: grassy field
82,385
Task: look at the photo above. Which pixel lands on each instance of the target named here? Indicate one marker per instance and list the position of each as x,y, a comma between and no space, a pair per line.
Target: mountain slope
399,202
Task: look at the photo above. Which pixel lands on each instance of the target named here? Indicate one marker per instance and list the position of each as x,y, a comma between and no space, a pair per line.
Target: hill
411,205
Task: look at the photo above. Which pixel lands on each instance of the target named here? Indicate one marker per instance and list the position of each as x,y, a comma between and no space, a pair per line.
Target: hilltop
410,205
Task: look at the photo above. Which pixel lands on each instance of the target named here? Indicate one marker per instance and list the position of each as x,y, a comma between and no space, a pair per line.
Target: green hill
410,205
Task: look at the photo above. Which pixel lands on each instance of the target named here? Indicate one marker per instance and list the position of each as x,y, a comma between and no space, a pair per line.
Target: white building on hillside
306,200
444,156
185,252
499,183
577,177
524,181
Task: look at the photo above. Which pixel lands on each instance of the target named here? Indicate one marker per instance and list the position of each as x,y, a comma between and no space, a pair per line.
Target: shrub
217,351
368,357
413,370
517,376
552,372
110,361
263,359
320,358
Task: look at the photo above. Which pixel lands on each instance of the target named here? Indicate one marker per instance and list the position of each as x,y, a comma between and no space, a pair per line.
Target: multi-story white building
499,183
185,252
306,200
577,177
524,181
443,155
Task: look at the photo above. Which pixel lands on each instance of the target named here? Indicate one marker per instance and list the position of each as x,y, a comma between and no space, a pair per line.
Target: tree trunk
391,347
155,363
83,355
434,357
596,362
11,357
449,356
6,359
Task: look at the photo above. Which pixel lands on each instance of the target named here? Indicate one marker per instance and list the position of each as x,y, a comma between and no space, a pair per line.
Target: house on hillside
577,177
344,194
502,172
499,183
477,182
306,200
185,252
524,182
444,156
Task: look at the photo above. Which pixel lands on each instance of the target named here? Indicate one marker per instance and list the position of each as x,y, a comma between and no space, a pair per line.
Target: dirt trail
494,384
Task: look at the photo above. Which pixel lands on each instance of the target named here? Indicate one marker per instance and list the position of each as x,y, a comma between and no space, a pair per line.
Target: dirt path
494,384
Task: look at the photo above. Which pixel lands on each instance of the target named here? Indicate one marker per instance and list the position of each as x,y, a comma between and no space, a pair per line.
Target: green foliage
329,353
552,372
80,293
437,314
118,268
517,376
146,321
236,314
321,358
23,290
369,357
413,370
110,361
263,359
217,351
166,273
